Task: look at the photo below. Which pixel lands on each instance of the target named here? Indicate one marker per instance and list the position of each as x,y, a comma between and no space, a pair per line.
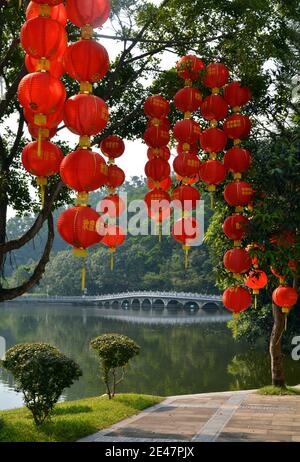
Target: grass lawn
72,420
278,391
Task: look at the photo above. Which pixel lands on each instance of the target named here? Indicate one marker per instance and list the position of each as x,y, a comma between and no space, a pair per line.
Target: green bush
115,352
41,373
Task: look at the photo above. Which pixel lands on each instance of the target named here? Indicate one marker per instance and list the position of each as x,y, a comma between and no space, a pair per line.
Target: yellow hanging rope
83,275
112,251
255,301
42,182
186,256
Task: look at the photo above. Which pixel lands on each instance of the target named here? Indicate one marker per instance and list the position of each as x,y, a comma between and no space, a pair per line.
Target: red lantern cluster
41,93
85,115
157,169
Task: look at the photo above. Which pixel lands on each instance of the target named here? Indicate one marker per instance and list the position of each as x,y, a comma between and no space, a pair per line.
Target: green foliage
271,390
41,372
72,420
115,351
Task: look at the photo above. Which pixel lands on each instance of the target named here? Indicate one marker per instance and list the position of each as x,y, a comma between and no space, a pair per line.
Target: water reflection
181,351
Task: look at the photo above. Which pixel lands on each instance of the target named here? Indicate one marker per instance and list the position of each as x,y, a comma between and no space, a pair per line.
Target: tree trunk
3,218
275,347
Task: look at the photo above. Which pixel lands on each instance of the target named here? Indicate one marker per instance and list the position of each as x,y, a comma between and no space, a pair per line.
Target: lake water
181,353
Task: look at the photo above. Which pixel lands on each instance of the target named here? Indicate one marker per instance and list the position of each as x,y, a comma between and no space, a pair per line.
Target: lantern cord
212,200
83,275
112,262
255,301
40,142
42,195
285,322
186,256
160,232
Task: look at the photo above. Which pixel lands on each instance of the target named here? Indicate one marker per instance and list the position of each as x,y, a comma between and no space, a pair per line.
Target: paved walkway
229,416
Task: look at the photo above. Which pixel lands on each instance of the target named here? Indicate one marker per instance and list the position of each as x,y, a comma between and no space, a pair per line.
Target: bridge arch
158,304
211,307
191,306
174,305
146,304
135,304
125,304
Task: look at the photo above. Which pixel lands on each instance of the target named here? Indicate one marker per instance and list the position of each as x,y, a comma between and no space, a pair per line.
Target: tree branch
11,92
9,294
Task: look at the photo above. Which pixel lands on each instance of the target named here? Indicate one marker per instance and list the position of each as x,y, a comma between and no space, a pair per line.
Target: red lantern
86,61
48,121
212,172
185,148
238,193
236,96
88,12
112,146
47,163
187,181
112,205
256,280
216,75
214,107
113,238
156,137
237,126
77,226
41,92
157,169
235,227
48,2
187,131
115,177
236,299
190,67
186,165
185,197
163,123
186,231
42,37
84,170
157,201
213,140
156,107
162,153
57,12
188,99
237,261
54,67
85,114
285,297
237,160
164,184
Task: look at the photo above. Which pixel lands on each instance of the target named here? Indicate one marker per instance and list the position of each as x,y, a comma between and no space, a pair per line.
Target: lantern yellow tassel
186,256
83,276
255,301
42,182
40,142
112,250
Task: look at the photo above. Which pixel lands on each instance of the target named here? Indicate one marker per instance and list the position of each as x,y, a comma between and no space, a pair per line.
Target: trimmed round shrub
41,373
115,351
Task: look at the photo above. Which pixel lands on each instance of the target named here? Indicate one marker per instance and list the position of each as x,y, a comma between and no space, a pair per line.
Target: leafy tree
115,352
257,39
41,372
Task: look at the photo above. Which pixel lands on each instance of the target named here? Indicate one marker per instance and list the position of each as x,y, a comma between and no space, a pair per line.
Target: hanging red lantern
41,92
54,67
216,76
188,99
157,169
237,261
187,131
237,126
112,205
45,165
186,180
113,238
92,13
186,165
163,153
185,197
77,226
157,199
56,12
212,172
156,137
85,114
285,297
236,299
86,61
190,67
236,96
238,193
48,121
237,160
213,140
235,227
112,146
186,231
164,184
48,2
256,280
84,170
115,177
214,107
42,37
156,107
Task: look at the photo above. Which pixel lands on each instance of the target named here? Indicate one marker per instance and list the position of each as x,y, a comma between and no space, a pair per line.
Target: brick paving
229,416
